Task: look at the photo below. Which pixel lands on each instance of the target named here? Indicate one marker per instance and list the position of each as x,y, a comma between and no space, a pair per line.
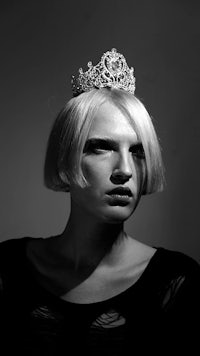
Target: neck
86,240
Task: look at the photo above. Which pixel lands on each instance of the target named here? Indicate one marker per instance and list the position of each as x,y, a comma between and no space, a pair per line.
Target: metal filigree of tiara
112,71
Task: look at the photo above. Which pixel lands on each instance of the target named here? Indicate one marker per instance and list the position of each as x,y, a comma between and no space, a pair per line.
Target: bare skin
93,259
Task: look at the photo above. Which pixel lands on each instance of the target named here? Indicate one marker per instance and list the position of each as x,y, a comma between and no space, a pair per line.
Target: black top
159,313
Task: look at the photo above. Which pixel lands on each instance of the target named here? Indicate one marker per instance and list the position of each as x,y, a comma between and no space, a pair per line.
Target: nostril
122,173
120,177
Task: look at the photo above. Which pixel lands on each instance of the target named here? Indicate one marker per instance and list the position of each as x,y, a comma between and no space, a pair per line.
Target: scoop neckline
138,284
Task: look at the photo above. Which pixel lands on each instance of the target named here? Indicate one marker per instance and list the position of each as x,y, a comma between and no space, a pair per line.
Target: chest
105,283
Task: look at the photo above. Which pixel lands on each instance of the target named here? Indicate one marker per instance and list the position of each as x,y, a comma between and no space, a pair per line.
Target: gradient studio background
42,44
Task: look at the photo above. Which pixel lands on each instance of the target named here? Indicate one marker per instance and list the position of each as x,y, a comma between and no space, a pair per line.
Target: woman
93,286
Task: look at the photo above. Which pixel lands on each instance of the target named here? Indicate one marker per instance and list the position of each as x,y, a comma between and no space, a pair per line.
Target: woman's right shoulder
9,249
13,261
8,245
13,251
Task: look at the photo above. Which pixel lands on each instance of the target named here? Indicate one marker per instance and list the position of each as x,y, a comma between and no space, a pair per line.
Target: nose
122,170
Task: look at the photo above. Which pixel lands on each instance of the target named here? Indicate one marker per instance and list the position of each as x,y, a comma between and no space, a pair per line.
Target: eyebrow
106,140
94,140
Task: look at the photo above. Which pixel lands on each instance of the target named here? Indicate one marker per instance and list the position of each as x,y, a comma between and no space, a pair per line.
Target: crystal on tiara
112,71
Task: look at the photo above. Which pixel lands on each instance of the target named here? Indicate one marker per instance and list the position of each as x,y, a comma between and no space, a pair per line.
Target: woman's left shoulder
179,261
177,284
179,271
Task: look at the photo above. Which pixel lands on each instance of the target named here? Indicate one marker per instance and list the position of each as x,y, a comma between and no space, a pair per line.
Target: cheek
96,170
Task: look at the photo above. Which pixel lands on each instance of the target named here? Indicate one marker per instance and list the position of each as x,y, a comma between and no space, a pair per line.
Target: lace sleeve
1,287
181,306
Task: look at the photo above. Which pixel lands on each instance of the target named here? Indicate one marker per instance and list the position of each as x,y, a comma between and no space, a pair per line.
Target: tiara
112,71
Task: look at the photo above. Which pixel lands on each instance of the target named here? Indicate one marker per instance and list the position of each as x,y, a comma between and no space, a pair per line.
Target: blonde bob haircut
70,131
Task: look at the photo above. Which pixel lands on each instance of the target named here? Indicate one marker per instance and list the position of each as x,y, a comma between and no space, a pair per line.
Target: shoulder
13,255
174,294
15,268
178,281
20,243
11,247
9,253
177,263
177,270
13,242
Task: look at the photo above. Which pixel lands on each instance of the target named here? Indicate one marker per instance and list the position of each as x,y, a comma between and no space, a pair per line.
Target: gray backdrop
42,44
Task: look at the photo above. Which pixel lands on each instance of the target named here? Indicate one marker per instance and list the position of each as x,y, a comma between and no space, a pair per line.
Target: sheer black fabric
159,313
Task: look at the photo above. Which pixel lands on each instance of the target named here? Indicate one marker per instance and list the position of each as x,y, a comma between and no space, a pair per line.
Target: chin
117,215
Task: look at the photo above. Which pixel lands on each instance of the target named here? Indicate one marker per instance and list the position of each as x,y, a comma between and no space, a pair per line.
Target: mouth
120,192
120,196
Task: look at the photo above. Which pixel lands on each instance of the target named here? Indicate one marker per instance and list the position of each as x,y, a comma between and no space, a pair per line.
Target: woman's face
113,165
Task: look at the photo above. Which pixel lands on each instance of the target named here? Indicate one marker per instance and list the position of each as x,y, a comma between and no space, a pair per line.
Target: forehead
109,121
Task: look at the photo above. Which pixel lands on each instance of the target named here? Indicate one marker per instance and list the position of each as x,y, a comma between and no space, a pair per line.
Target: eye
97,147
138,151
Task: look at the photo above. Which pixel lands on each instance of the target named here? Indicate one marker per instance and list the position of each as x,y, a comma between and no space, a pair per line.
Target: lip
118,200
120,192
